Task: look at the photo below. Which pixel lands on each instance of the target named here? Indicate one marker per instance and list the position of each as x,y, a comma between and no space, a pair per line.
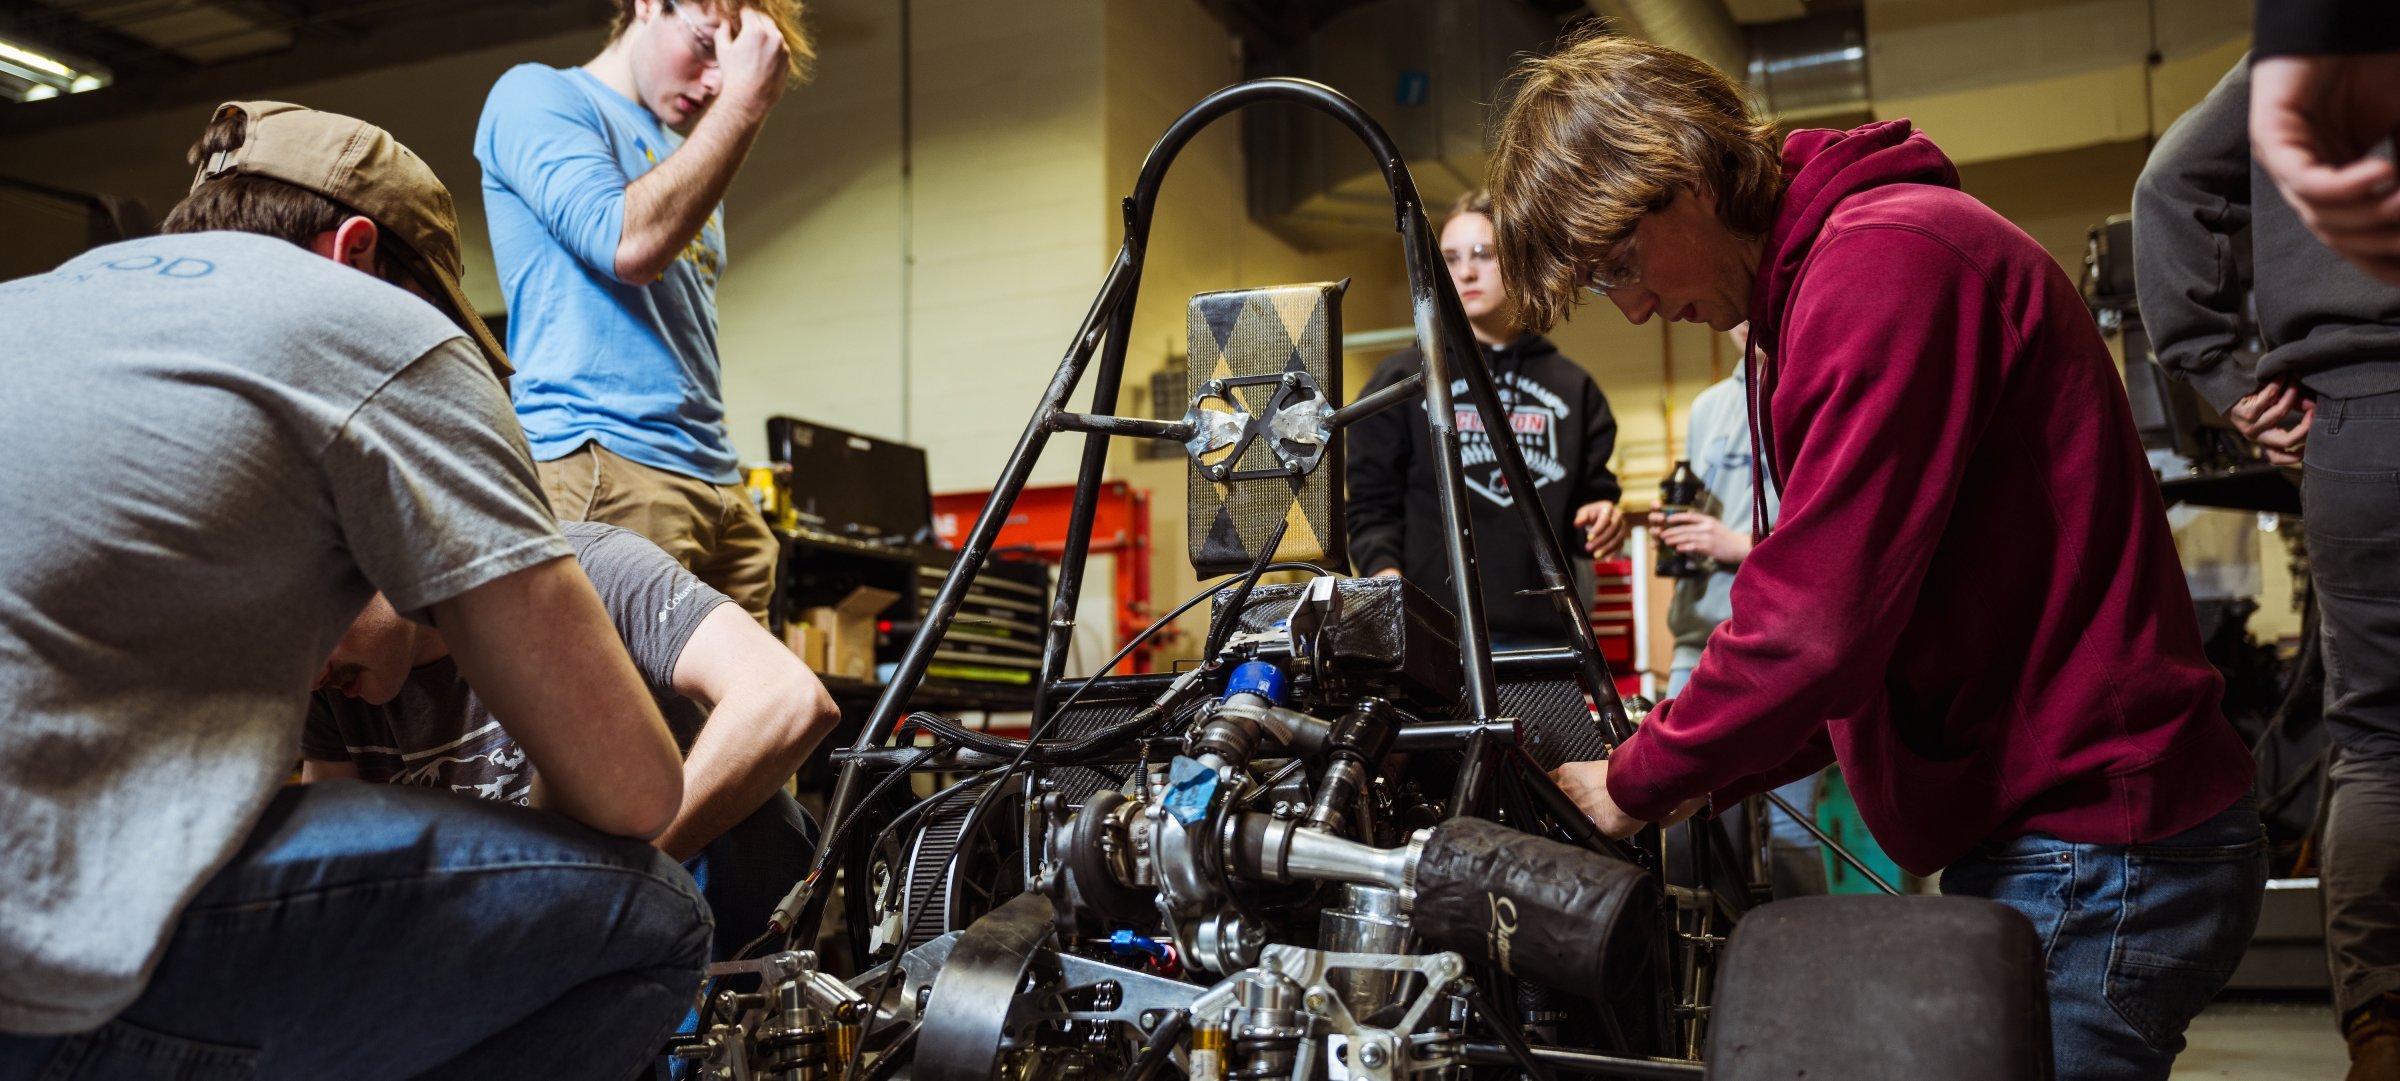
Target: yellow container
774,502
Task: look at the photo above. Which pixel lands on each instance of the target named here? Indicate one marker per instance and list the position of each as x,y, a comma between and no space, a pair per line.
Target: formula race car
1330,847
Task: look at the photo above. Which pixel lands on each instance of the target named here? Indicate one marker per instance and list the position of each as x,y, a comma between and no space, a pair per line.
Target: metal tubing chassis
1443,340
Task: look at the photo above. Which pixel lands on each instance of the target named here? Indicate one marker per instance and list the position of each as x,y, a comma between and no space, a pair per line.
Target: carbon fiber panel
1241,334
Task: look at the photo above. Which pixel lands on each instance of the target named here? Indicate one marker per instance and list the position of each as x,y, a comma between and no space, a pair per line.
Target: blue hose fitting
1259,678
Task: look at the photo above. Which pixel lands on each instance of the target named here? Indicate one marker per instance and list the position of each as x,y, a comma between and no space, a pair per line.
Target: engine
1265,891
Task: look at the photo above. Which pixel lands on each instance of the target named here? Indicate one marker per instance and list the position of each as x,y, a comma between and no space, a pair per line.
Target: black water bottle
1679,493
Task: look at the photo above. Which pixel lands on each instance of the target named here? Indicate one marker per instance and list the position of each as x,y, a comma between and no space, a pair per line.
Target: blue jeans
369,931
2136,938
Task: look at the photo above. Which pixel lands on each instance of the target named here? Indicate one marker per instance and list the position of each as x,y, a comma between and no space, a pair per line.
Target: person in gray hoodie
2319,384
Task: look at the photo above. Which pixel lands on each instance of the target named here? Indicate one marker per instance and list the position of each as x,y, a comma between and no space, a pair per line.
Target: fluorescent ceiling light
34,60
30,75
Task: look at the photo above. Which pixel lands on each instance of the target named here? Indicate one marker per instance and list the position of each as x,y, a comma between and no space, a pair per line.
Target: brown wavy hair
1603,131
785,14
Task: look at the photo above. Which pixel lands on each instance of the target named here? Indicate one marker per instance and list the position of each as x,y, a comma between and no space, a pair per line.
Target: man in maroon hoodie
1970,599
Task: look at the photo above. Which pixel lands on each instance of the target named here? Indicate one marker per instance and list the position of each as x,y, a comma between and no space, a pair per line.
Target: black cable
891,1059
1160,1047
1096,741
1226,619
805,890
925,805
944,728
1230,616
1510,1038
743,954
936,799
1141,718
707,1004
1070,753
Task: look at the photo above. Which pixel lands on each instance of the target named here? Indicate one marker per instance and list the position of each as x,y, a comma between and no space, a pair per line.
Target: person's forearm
750,746
667,206
530,643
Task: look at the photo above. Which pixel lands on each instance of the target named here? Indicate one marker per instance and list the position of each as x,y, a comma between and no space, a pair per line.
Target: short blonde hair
785,14
1605,130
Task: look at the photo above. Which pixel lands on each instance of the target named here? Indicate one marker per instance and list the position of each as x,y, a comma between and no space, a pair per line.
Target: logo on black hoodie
1534,414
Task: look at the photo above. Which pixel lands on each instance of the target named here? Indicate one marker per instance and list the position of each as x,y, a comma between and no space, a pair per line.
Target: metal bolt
1151,1018
1283,808
1217,472
1291,379
1295,466
924,995
1316,1000
1371,1056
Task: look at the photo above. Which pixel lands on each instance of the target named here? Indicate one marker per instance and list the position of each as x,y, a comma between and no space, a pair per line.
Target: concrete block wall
928,307
809,307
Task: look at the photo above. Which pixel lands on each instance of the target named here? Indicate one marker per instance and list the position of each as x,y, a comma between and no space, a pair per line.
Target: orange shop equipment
1120,527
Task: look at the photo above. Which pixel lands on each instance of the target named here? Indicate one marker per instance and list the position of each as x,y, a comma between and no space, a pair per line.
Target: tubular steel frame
1447,347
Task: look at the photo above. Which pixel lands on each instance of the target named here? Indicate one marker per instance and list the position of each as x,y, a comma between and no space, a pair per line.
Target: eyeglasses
1618,269
704,44
1480,253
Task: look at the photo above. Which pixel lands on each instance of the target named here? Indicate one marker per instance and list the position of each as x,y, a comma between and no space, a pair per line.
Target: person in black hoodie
2331,359
1563,429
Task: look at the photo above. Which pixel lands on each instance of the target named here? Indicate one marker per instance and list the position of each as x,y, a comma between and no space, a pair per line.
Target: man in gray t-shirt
220,444
392,707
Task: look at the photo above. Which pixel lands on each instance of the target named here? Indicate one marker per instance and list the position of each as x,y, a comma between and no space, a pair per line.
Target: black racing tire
1877,988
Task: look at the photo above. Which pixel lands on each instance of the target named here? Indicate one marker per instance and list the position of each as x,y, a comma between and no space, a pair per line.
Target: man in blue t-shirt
604,189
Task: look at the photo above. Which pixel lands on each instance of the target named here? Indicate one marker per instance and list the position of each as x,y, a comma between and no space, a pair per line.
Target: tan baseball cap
362,167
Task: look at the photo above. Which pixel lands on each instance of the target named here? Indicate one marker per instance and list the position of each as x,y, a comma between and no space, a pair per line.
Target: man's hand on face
2258,416
1604,528
2313,120
754,60
1694,533
1587,784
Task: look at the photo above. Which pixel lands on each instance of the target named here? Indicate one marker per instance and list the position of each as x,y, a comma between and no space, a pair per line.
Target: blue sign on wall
1411,90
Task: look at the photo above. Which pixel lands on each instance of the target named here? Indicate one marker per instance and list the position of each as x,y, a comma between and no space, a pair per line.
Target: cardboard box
807,643
849,630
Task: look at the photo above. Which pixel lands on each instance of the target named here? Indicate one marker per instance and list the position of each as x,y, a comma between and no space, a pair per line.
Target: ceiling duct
1812,71
1428,70
1810,68
1701,28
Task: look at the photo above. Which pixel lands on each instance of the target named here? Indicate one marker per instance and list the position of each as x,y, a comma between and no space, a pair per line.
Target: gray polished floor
2264,1041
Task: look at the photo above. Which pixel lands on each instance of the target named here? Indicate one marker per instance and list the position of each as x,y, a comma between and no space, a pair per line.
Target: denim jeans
369,931
2136,938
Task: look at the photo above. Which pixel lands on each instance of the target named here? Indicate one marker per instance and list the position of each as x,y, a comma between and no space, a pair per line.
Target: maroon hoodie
1970,598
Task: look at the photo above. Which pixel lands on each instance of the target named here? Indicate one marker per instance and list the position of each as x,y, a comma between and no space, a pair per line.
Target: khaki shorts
712,529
